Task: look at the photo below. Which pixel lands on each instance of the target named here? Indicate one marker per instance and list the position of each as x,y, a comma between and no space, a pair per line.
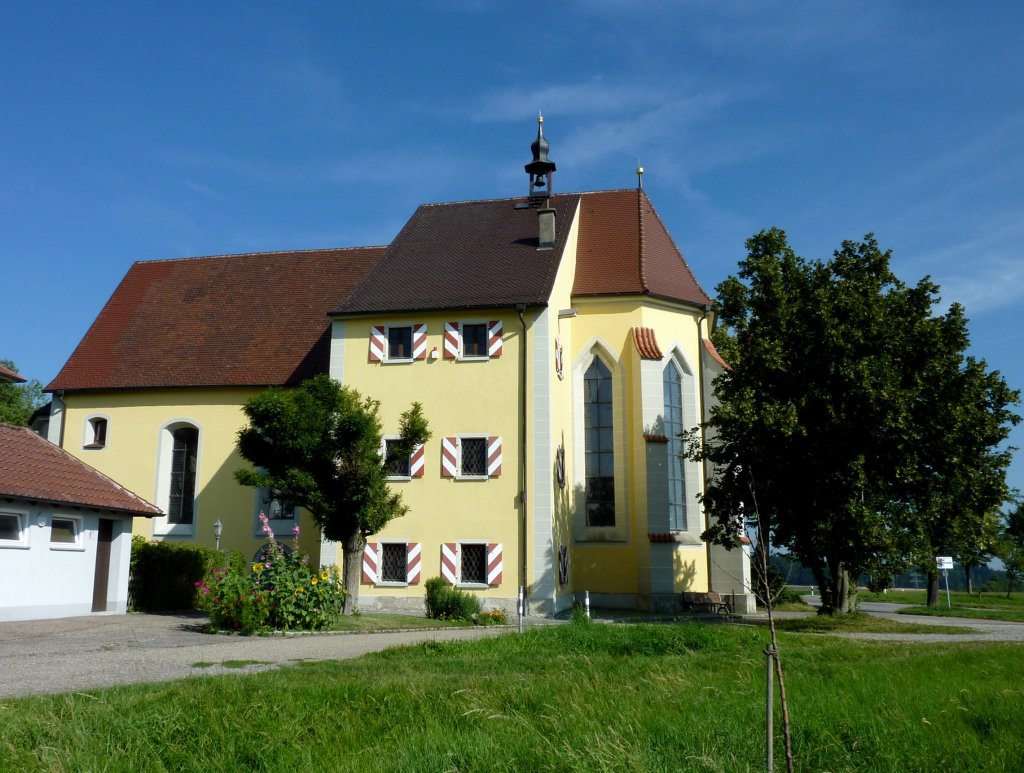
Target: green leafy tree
819,420
1010,546
19,401
953,462
319,446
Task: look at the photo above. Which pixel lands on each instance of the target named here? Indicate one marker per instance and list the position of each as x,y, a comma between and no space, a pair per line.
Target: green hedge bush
447,603
164,574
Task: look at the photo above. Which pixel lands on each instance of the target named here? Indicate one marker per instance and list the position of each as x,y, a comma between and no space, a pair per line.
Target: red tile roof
624,248
34,469
229,320
8,375
468,254
646,343
710,349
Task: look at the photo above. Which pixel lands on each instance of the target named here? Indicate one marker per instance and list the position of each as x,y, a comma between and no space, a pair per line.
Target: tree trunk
933,588
352,565
824,589
968,570
845,591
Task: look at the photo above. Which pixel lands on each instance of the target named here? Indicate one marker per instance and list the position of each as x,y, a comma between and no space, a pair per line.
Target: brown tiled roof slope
230,320
470,254
35,469
8,375
624,248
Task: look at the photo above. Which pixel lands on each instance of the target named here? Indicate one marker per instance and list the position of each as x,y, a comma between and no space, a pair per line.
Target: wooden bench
705,602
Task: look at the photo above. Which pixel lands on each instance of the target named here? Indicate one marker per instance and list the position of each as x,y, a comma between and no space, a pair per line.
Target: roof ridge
640,240
311,250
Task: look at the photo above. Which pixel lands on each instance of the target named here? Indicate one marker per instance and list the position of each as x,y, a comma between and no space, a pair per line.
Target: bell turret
540,168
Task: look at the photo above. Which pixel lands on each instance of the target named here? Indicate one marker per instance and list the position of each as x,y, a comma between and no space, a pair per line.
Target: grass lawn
1016,615
574,697
861,622
958,598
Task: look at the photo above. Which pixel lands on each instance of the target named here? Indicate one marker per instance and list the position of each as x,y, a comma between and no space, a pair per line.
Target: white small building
65,532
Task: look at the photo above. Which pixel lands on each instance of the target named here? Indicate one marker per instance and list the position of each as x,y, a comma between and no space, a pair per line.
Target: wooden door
104,537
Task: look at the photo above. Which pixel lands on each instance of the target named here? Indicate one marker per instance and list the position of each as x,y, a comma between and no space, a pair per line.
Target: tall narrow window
183,475
673,385
599,445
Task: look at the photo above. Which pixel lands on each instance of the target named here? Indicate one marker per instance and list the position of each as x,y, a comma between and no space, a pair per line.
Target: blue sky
136,131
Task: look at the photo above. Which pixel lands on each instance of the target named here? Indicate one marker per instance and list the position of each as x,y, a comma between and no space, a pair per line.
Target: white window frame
21,543
384,455
77,526
463,357
381,582
89,432
473,476
388,359
162,527
463,582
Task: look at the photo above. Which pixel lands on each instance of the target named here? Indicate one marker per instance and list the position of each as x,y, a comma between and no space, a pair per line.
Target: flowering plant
279,591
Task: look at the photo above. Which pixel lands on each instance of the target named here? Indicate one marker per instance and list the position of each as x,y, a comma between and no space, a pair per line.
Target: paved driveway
81,653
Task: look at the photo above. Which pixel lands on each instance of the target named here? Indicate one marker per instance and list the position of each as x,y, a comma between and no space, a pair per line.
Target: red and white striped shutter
494,338
494,564
493,456
417,462
419,341
450,562
378,344
449,457
370,564
452,341
412,563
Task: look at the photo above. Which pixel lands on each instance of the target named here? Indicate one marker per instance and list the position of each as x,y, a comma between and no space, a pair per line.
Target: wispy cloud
991,285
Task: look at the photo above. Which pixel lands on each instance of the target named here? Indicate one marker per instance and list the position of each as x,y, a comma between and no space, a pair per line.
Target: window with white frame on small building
12,530
65,532
474,340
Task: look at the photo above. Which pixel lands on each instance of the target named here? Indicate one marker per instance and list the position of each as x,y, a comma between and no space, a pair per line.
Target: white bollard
586,602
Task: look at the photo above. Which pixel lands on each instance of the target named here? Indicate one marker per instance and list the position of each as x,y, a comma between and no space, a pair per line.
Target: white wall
39,580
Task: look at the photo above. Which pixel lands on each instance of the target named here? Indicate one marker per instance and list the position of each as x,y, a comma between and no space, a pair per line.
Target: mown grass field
681,697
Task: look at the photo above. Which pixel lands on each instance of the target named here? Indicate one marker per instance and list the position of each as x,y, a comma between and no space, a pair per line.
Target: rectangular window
11,529
65,532
474,564
474,457
396,463
474,340
394,562
400,343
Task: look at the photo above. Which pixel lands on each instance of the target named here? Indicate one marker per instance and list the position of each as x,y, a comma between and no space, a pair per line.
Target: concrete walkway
82,653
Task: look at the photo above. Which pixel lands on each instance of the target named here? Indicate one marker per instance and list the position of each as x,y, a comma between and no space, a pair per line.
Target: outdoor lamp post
218,529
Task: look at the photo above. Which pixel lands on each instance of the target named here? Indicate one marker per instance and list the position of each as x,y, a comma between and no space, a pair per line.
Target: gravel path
82,653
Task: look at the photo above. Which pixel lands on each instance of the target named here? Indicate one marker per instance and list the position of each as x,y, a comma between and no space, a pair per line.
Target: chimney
546,218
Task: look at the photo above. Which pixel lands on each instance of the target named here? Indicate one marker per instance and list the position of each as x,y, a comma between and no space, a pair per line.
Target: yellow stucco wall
130,456
459,397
